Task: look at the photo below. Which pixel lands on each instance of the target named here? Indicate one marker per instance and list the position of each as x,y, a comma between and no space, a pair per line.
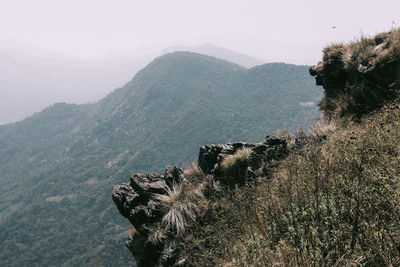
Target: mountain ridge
218,52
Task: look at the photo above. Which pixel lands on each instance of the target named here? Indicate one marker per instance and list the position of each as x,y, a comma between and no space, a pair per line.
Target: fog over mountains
218,52
33,78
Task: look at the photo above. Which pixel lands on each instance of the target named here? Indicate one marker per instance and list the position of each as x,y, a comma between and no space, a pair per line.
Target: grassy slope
333,202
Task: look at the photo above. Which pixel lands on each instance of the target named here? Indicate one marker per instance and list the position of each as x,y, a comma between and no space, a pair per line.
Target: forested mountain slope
58,166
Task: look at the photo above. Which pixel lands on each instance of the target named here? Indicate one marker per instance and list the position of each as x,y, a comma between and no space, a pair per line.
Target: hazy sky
255,27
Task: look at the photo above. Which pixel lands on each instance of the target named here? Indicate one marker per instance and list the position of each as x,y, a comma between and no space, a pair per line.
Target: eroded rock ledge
135,201
141,200
360,76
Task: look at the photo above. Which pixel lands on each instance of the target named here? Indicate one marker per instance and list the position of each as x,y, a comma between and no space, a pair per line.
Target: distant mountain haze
32,78
218,52
59,165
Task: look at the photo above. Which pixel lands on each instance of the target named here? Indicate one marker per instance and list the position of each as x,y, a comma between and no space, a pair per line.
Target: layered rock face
140,200
212,156
135,201
359,77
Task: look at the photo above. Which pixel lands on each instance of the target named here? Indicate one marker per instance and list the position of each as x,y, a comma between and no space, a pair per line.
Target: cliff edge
325,196
360,76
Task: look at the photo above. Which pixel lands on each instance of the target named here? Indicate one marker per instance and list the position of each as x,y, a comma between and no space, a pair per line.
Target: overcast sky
261,28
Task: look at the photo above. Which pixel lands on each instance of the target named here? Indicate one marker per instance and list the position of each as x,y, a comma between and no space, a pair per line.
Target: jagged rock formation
212,156
272,148
360,76
135,201
139,200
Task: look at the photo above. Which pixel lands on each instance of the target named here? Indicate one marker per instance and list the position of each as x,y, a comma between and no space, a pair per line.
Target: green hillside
58,167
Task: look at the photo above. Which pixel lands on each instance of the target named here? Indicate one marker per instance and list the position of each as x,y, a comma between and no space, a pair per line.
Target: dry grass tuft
366,53
239,157
289,137
334,51
322,128
156,234
182,204
194,174
334,203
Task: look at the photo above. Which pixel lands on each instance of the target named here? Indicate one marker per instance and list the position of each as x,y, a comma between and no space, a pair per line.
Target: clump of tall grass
334,51
234,167
156,234
194,174
181,204
289,137
238,158
322,128
365,53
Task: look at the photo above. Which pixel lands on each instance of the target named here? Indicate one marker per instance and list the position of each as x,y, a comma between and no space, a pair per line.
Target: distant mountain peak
210,49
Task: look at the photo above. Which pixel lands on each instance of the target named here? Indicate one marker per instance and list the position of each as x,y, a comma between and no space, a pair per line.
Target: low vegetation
335,199
234,166
332,203
366,53
238,158
359,76
182,204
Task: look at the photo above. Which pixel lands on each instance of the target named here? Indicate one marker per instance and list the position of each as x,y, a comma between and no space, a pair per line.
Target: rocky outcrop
360,76
139,200
135,201
273,148
211,156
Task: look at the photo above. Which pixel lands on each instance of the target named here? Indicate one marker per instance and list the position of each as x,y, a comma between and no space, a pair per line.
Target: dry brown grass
156,234
240,156
335,50
182,204
322,127
366,52
335,203
194,174
289,137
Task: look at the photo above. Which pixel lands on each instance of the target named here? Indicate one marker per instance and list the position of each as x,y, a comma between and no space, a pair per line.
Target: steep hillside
327,196
60,164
